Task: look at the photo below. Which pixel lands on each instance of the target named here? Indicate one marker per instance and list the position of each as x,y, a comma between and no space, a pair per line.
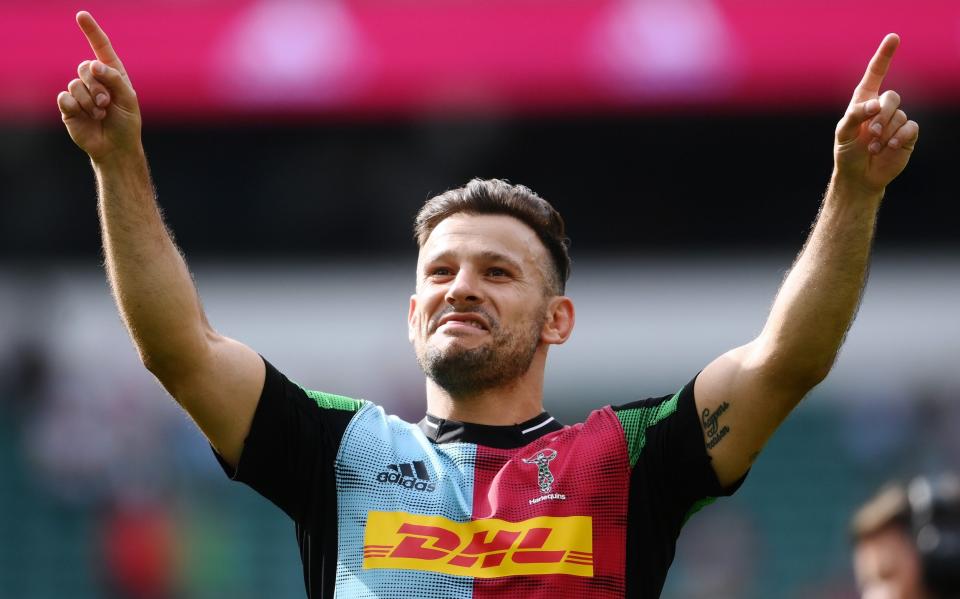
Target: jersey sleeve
668,454
671,478
289,453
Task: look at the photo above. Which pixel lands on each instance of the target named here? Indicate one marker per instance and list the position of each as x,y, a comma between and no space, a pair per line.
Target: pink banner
296,58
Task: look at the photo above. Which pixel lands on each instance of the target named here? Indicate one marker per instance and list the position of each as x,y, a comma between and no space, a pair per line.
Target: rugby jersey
443,509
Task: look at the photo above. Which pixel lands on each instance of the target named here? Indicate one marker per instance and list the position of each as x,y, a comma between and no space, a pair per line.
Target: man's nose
464,289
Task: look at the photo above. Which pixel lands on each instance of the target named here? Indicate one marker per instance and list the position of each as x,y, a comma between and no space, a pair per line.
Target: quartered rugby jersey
447,510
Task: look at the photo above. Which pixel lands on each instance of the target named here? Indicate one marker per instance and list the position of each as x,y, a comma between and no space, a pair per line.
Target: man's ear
560,319
410,327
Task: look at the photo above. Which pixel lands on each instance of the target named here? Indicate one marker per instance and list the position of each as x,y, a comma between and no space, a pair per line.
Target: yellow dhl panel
486,548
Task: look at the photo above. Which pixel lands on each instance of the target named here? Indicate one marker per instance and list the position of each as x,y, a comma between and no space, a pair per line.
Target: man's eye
498,272
440,272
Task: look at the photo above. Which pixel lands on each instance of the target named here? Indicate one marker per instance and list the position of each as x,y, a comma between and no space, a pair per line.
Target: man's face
887,566
477,317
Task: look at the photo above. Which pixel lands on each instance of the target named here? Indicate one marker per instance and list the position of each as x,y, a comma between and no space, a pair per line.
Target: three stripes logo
410,475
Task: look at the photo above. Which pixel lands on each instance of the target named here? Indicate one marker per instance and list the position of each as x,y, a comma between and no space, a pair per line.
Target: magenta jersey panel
581,470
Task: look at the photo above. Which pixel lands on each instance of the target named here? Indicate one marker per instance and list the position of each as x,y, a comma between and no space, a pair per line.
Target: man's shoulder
637,413
279,384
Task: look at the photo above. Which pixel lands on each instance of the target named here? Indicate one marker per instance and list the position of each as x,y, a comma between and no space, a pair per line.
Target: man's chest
469,520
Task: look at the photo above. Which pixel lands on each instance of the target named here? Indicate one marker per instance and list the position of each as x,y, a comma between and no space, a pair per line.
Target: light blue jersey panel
386,464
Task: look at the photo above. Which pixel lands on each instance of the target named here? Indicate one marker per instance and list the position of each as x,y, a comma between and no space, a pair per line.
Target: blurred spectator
907,541
24,373
94,437
139,550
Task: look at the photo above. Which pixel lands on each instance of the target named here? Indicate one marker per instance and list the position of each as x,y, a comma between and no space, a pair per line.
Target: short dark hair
497,196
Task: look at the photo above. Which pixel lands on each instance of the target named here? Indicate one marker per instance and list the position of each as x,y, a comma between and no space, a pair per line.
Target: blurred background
686,142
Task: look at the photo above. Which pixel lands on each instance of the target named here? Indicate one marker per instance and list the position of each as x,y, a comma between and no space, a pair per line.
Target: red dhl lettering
485,548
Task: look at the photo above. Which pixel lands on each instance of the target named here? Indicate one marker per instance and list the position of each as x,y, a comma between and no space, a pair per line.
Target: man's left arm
743,395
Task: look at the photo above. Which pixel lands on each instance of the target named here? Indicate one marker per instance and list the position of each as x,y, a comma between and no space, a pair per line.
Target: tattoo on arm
711,425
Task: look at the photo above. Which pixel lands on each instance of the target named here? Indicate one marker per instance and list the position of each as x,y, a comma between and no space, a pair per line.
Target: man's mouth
462,320
462,323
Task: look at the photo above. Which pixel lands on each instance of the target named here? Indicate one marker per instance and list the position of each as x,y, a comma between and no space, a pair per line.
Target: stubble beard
465,372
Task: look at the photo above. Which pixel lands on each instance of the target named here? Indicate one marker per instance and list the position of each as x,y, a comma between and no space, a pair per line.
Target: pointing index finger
98,40
877,69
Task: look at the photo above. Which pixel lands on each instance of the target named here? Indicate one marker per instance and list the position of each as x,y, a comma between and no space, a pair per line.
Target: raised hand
874,139
100,107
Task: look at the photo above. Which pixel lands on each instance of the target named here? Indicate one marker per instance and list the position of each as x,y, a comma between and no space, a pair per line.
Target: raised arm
216,379
745,394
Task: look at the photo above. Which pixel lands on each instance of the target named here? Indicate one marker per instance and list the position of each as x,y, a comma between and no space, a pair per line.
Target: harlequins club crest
542,461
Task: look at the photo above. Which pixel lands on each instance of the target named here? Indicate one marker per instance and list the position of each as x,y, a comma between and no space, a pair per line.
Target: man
885,558
906,540
488,495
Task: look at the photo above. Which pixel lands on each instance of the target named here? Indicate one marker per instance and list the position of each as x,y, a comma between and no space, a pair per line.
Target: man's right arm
216,379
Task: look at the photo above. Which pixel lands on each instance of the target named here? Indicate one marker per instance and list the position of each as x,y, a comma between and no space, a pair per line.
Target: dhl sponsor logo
486,548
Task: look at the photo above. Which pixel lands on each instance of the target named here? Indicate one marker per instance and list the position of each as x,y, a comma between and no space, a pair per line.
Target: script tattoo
711,425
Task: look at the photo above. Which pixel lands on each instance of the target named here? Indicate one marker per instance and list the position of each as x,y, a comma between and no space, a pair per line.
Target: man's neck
512,403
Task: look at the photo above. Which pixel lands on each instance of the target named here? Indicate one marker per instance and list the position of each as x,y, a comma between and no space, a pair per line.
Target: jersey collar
508,436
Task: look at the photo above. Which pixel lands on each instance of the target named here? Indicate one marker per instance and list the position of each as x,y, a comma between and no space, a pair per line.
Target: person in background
906,541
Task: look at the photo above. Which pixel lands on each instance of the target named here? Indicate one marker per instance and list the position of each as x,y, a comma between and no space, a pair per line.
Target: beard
464,372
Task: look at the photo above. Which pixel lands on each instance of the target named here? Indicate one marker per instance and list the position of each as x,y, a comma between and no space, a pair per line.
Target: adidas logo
411,475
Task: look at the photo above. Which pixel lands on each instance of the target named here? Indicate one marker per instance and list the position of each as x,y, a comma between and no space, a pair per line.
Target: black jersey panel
672,475
288,457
